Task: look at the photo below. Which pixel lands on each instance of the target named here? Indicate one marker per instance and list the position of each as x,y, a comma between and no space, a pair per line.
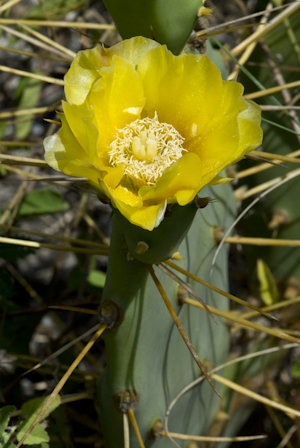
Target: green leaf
31,89
95,280
5,416
42,201
38,434
169,22
267,285
6,289
295,372
31,409
5,442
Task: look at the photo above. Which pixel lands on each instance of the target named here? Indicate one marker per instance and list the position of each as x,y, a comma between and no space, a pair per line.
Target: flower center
145,148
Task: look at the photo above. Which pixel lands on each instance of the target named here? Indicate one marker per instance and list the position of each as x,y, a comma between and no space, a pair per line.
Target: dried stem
214,288
210,439
261,241
255,396
62,382
135,427
279,333
180,327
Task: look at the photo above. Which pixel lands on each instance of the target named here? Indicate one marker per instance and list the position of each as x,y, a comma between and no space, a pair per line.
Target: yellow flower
148,128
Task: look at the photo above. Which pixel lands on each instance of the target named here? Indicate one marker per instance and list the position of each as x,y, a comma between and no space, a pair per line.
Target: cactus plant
145,353
148,363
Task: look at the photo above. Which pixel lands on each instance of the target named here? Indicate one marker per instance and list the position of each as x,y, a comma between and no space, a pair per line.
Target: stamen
145,148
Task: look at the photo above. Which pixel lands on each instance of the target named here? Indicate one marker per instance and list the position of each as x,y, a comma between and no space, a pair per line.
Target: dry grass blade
49,41
180,327
75,309
263,166
262,241
62,178
269,155
62,382
28,176
273,107
59,24
265,92
211,439
277,181
36,297
185,286
255,396
202,33
17,160
286,178
35,110
263,159
36,245
8,5
136,428
65,239
273,307
48,79
32,40
222,366
278,333
270,26
249,50
62,349
18,143
218,290
34,55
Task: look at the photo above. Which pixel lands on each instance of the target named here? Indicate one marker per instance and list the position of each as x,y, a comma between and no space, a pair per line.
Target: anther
144,149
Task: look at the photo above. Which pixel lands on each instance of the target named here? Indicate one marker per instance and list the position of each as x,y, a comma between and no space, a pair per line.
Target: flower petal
117,99
64,153
83,73
148,217
62,147
182,181
218,142
183,90
131,206
133,49
249,128
80,121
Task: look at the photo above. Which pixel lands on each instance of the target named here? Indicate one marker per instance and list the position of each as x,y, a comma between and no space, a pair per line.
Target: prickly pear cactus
164,127
145,352
168,22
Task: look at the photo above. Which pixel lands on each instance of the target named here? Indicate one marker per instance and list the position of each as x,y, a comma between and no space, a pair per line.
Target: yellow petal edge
109,90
